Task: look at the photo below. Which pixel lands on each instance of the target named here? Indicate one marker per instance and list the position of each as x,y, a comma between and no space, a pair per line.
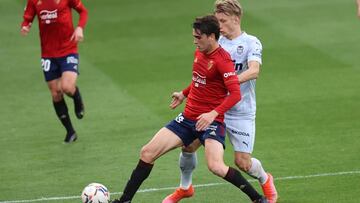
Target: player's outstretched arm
358,8
177,99
78,35
29,15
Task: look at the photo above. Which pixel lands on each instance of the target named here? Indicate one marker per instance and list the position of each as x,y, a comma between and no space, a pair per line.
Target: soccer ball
95,193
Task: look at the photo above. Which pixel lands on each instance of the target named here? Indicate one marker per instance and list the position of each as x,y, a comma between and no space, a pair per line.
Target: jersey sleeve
29,13
186,91
255,51
83,13
226,68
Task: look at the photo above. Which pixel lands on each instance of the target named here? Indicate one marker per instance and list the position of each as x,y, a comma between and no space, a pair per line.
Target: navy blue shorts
54,67
186,131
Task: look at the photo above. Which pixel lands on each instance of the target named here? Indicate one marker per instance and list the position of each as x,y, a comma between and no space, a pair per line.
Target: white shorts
241,132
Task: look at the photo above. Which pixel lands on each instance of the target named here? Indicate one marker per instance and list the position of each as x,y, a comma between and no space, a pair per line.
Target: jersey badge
210,64
240,49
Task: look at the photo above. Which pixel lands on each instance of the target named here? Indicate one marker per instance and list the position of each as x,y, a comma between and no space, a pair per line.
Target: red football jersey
55,24
214,86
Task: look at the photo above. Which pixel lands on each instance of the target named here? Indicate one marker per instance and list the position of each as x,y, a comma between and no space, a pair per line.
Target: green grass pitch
135,53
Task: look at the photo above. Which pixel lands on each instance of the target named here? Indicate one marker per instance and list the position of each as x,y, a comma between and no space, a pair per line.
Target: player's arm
251,73
358,7
28,17
78,34
254,62
179,97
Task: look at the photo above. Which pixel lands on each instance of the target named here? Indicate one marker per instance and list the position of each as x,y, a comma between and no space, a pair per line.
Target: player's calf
78,104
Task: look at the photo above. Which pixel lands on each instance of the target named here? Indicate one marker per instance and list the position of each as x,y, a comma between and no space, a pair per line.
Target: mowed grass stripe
196,186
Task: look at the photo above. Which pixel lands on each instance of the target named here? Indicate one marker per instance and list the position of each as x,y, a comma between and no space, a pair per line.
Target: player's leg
61,109
176,133
163,141
187,163
69,69
52,73
214,153
241,132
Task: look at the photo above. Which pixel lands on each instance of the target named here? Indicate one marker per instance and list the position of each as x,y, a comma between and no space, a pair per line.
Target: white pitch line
42,199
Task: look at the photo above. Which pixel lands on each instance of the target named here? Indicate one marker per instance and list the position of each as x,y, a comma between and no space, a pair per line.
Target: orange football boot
269,189
179,194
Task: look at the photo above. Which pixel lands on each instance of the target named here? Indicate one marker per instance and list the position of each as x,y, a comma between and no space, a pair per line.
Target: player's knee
56,95
68,88
217,168
192,147
189,149
147,155
243,164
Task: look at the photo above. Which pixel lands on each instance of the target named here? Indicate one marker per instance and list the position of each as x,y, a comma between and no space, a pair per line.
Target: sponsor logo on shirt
198,79
48,16
226,75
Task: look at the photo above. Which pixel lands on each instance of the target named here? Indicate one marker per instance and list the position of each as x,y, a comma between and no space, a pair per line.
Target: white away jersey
243,49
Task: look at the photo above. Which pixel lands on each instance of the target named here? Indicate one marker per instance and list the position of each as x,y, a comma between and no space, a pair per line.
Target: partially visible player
213,77
59,54
245,50
358,7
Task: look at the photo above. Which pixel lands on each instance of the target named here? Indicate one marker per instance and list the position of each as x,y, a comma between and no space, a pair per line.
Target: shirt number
45,64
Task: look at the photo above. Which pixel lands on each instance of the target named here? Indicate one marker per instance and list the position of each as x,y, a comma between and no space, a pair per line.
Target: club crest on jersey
210,64
240,49
48,16
39,2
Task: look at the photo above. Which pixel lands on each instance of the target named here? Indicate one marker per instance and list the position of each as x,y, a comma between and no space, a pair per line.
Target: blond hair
228,7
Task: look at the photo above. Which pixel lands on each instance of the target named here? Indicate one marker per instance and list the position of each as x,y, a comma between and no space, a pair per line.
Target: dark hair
207,25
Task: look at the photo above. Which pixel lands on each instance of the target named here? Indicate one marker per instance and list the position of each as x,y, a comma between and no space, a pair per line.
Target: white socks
256,170
187,163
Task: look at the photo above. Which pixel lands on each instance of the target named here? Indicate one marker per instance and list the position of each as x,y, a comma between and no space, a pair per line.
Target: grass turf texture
136,53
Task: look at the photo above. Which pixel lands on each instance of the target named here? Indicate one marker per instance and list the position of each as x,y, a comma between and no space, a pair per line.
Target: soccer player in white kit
245,50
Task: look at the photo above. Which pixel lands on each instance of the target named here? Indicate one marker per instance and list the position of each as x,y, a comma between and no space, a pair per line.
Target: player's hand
177,99
78,35
25,30
205,119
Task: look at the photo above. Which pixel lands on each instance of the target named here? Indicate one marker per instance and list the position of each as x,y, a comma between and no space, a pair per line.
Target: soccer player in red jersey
59,54
214,90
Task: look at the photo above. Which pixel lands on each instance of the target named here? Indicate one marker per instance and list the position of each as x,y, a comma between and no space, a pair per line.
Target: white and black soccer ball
95,193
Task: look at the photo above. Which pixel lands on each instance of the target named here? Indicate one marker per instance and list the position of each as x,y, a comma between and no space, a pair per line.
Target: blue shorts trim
54,67
185,129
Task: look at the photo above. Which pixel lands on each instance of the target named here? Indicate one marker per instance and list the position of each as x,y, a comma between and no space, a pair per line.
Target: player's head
206,32
229,13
